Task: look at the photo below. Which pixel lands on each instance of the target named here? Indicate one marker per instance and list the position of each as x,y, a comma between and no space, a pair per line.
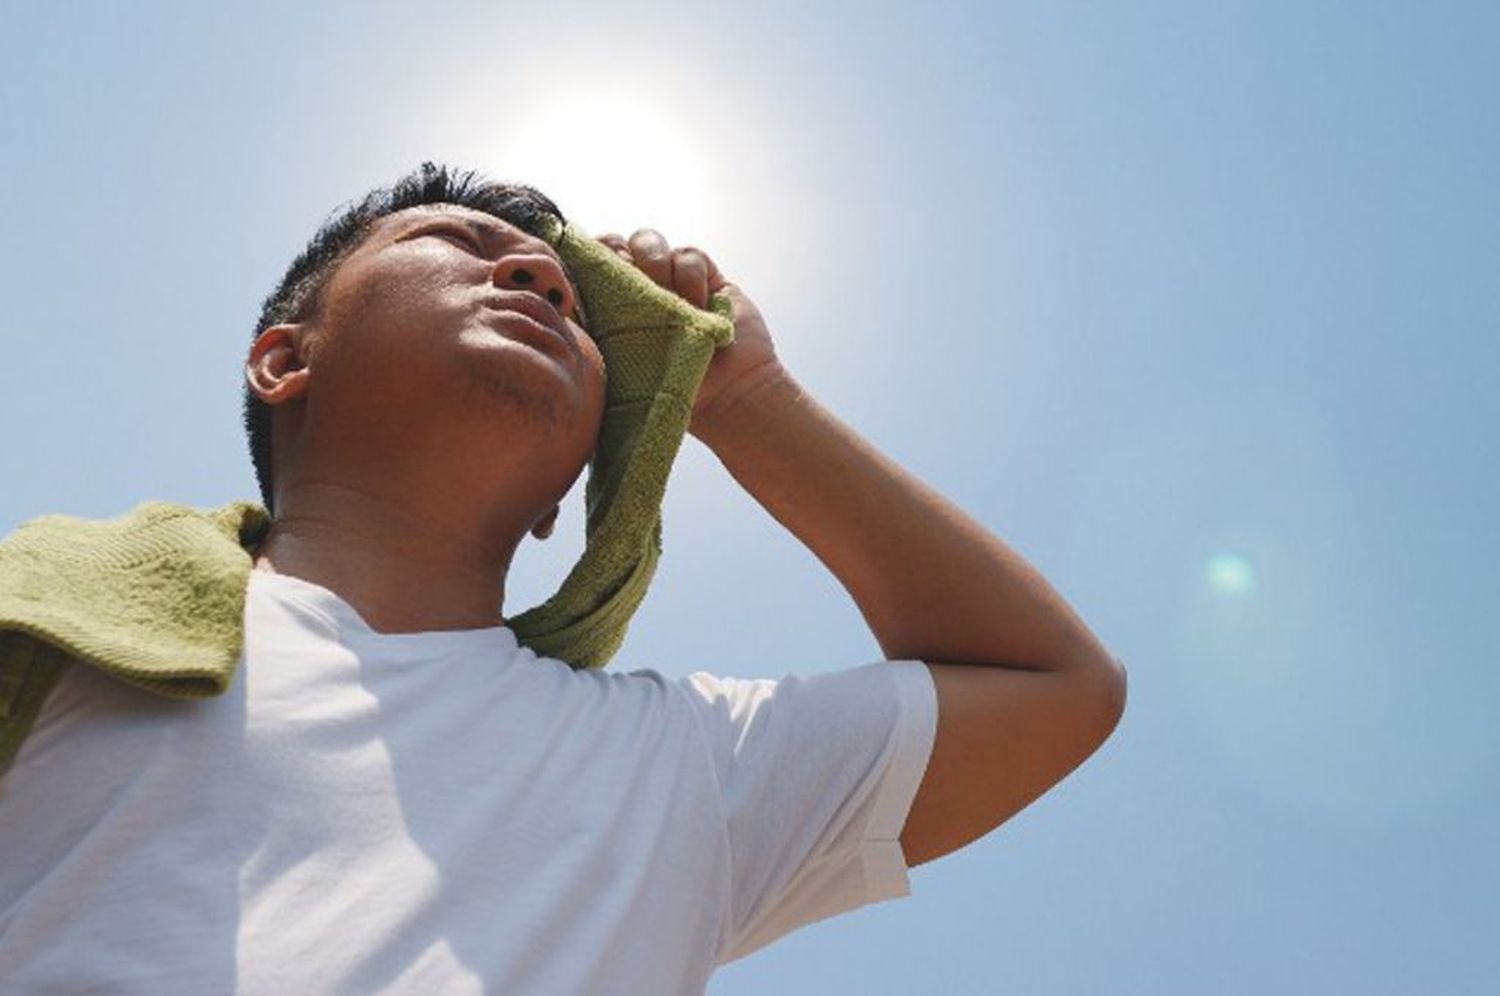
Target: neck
404,566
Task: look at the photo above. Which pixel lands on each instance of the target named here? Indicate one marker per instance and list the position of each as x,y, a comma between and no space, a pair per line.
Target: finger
690,275
652,255
618,244
715,279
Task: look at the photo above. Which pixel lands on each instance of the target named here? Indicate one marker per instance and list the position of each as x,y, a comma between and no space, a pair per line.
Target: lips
534,307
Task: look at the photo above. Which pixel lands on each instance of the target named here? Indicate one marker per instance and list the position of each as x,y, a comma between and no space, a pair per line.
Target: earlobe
545,524
275,370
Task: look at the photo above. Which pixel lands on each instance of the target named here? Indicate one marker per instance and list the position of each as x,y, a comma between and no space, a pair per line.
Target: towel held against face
155,597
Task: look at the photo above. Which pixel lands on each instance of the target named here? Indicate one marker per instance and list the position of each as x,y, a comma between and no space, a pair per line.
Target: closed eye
472,244
469,242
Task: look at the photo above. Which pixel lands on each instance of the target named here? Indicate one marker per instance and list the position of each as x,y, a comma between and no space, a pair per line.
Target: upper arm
816,775
1004,736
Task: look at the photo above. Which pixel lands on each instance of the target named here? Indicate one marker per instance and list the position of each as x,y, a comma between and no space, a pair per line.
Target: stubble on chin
511,398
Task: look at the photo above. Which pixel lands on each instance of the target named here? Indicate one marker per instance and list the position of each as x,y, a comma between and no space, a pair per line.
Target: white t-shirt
443,812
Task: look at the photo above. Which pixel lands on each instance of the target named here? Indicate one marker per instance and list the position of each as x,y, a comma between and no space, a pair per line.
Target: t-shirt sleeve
817,775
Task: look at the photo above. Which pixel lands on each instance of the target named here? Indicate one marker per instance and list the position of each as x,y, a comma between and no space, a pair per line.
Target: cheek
595,360
592,359
401,290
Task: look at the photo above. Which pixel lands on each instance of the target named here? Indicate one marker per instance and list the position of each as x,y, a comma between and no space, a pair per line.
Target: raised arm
1025,691
930,581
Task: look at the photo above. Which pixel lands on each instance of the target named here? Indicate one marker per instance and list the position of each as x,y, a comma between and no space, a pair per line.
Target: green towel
656,349
156,597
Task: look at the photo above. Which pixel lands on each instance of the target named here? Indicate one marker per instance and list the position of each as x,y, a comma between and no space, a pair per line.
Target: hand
692,275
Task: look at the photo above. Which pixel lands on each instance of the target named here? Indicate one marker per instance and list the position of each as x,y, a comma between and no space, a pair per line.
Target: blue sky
1194,305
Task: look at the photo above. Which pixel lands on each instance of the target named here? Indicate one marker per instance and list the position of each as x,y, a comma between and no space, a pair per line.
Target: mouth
536,314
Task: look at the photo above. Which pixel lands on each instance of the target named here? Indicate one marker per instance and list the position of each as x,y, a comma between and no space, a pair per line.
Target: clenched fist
691,274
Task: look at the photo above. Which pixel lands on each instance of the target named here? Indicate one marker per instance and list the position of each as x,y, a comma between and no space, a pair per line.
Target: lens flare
1230,574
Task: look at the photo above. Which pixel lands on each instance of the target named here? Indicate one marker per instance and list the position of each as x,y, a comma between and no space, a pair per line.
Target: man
396,797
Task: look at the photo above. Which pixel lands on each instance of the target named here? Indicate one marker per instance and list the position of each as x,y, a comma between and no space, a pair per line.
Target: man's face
423,336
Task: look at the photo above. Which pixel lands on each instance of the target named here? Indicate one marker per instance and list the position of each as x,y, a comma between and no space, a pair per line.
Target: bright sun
612,164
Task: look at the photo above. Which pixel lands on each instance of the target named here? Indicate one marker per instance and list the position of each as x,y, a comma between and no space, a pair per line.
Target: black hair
298,297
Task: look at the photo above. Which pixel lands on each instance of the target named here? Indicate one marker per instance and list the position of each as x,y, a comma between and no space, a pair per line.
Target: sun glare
612,164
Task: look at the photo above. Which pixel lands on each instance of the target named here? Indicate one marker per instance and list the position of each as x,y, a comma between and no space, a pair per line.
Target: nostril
544,280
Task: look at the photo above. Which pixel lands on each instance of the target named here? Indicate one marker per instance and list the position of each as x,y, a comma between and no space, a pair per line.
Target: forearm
930,581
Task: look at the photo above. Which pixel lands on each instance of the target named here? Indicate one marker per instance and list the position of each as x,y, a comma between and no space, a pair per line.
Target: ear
545,524
276,369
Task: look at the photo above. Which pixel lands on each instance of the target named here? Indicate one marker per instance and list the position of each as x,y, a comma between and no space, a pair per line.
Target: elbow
1107,684
1115,683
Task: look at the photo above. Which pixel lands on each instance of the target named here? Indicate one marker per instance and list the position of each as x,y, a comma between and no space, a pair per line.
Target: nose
538,273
